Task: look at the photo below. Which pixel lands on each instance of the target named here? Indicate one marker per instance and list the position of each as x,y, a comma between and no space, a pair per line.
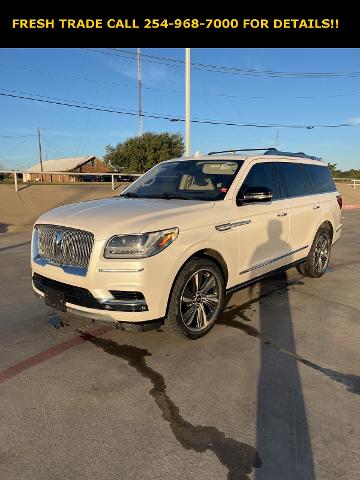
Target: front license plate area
55,298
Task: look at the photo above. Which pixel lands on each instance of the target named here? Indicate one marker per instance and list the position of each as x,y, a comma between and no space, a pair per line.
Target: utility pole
40,155
187,102
277,138
139,91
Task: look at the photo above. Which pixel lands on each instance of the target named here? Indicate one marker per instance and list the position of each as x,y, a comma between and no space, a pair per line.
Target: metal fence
113,175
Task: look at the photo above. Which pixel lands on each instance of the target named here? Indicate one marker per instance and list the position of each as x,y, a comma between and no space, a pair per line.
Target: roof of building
60,164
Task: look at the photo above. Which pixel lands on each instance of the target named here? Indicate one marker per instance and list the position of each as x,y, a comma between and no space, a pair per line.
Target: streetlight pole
40,155
139,91
187,102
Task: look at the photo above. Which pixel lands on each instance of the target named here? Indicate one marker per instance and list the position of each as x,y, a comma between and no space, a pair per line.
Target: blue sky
110,80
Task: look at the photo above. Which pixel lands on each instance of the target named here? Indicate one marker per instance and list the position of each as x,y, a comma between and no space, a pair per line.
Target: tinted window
320,178
294,179
261,175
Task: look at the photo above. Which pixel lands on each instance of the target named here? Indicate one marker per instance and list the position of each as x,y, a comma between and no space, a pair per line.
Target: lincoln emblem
58,239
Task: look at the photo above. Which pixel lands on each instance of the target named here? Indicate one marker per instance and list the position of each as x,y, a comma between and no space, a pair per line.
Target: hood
115,215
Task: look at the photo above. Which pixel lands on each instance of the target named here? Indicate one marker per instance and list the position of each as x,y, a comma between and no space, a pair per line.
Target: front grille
65,246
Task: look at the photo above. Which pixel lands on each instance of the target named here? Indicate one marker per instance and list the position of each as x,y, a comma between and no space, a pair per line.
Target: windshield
186,180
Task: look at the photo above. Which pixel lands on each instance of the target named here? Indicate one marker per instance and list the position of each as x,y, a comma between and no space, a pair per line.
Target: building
87,164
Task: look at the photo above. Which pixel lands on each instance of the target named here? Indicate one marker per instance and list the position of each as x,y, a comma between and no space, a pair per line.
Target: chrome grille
65,246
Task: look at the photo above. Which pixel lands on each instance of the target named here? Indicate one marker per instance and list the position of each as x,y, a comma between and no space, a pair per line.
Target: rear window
294,179
320,178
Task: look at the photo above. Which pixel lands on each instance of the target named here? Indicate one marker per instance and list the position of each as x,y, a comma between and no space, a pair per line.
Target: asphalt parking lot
272,393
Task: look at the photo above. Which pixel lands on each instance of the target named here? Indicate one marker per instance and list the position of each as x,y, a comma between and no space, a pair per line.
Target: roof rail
273,151
241,150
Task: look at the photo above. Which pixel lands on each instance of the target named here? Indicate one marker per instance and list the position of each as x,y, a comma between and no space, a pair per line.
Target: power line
54,146
193,92
16,136
56,98
172,118
227,69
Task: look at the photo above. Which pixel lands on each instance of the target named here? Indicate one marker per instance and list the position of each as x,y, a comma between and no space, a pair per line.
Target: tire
196,300
318,258
301,268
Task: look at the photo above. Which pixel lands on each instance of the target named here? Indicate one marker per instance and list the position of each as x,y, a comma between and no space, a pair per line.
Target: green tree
138,154
332,167
2,175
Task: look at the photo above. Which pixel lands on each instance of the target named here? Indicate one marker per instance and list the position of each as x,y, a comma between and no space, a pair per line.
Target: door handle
315,207
282,214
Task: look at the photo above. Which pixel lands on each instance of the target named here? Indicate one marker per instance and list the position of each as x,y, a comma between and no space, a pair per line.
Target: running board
240,286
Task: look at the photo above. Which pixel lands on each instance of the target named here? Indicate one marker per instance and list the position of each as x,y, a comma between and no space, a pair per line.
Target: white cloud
353,120
151,74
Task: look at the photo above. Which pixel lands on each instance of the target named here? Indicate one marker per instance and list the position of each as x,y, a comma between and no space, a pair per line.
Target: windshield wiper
169,196
130,195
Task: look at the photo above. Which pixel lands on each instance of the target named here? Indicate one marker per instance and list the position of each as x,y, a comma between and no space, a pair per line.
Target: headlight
140,245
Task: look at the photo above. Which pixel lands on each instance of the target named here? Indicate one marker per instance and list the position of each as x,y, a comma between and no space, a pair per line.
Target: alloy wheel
321,253
199,301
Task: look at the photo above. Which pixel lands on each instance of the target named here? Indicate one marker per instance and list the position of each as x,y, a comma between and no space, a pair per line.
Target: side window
294,179
261,175
320,178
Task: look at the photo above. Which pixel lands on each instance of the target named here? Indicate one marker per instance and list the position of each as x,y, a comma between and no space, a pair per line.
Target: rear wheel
318,258
196,299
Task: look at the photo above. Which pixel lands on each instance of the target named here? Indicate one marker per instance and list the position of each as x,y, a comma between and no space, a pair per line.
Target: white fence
354,182
71,174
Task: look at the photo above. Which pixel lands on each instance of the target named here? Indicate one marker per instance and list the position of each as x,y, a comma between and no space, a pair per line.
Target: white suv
186,233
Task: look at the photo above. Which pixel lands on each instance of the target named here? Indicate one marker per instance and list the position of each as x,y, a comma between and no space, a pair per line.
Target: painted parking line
350,206
41,357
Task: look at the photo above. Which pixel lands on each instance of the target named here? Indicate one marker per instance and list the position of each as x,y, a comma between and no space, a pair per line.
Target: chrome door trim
273,260
229,226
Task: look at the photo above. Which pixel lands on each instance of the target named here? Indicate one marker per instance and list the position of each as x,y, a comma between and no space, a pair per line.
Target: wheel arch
329,226
208,253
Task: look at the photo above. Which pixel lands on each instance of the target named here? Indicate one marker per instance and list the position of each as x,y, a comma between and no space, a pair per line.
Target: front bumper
108,310
124,301
102,316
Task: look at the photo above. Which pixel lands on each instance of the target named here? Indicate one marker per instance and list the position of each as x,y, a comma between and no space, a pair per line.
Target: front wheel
196,299
318,258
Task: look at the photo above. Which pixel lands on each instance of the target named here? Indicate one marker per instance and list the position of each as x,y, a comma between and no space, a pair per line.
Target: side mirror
255,195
